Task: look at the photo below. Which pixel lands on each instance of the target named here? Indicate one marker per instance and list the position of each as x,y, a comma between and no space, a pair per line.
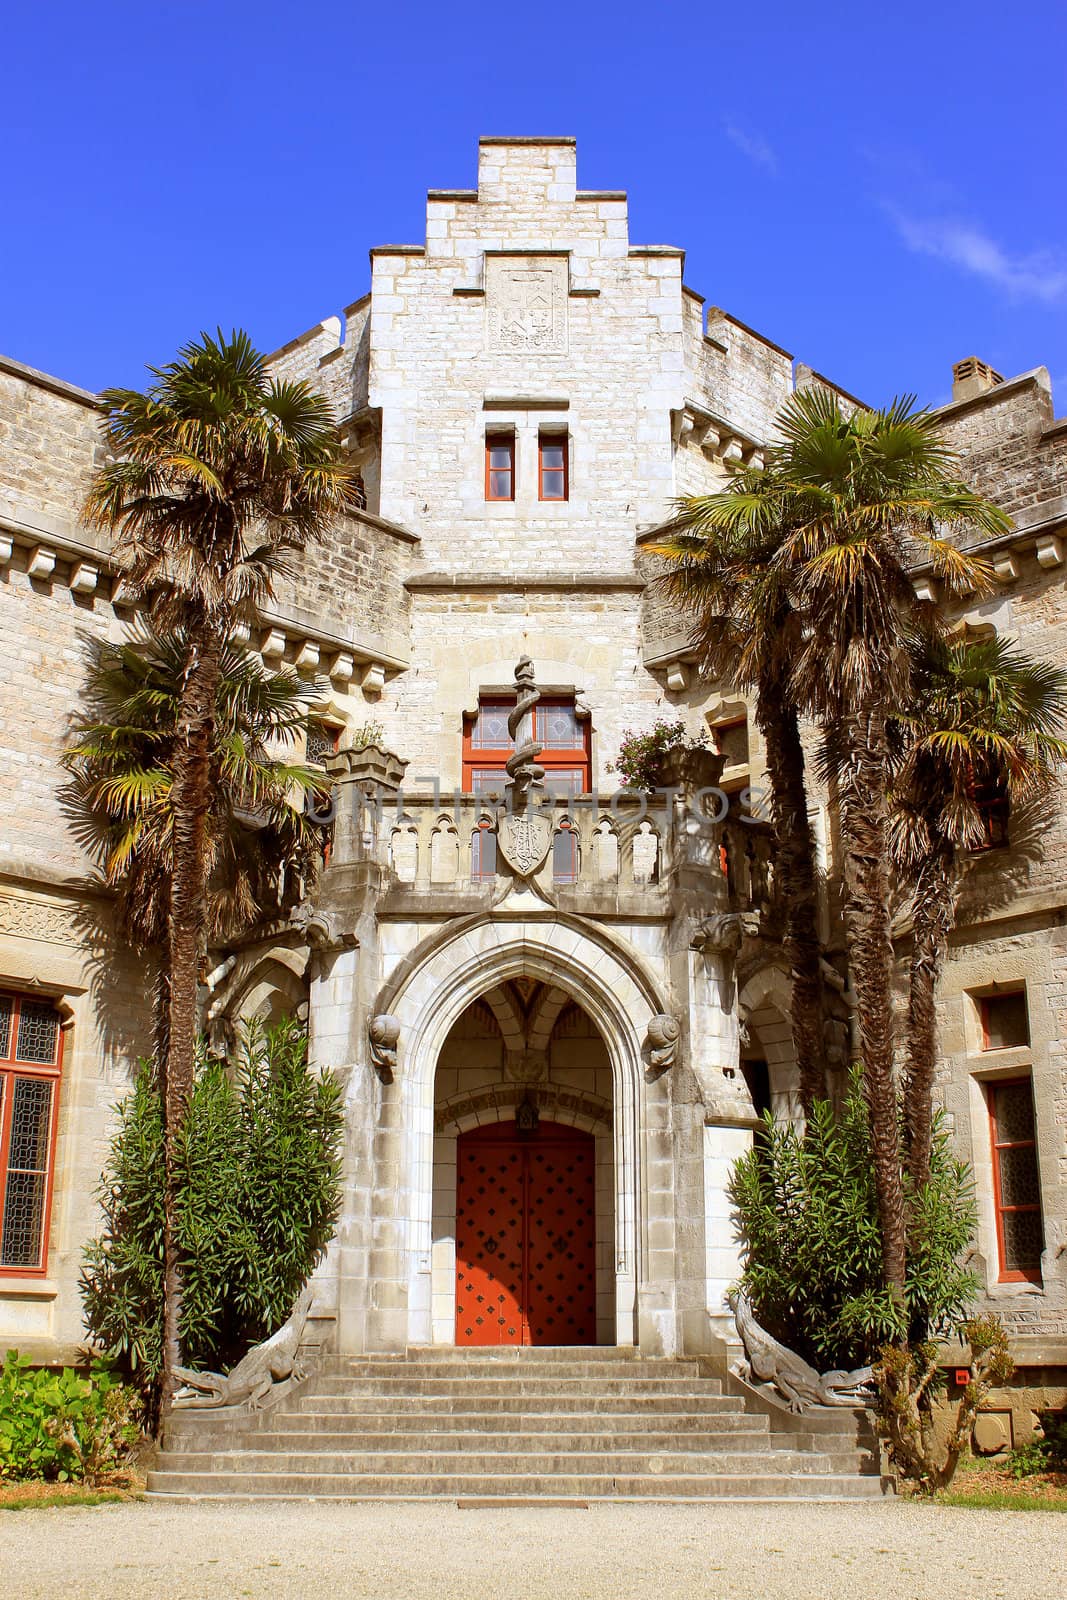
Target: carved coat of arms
526,304
524,841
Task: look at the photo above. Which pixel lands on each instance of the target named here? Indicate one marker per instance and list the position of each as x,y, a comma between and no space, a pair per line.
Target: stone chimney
973,377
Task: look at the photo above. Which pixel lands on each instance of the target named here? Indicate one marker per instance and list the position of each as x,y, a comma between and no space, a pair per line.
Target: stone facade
526,316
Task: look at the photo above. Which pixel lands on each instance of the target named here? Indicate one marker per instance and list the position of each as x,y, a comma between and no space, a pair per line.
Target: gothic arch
430,992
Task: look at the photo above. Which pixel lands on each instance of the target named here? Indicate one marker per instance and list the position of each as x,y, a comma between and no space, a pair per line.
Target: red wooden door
525,1236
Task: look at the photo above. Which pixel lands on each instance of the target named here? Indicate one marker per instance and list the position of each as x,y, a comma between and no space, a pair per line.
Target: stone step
519,1384
290,1441
434,1428
460,1355
494,1463
508,1404
496,1371
746,1485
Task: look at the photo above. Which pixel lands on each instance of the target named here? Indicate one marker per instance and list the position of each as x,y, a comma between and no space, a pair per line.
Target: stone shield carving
526,303
524,841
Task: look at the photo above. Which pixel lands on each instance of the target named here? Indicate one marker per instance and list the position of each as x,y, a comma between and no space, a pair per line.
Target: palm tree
983,719
218,474
746,626
260,841
870,495
845,508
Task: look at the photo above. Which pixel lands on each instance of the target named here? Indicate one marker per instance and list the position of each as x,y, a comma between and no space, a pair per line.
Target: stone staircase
515,1425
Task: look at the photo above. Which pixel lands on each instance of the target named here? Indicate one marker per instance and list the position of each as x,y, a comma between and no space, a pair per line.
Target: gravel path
436,1552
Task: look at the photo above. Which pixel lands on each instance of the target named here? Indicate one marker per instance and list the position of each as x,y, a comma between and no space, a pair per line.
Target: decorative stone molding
322,929
661,1044
1005,566
373,680
526,1066
273,646
723,933
383,1034
84,578
926,590
1049,551
42,562
342,668
307,657
677,677
37,919
7,545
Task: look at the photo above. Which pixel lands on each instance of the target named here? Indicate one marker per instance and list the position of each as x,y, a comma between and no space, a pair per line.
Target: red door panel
525,1236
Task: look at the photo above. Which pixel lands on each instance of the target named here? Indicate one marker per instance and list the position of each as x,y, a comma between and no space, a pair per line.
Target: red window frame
499,441
1010,1274
11,1069
983,1015
553,441
496,757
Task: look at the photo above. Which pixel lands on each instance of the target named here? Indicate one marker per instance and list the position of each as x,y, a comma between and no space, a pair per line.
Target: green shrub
61,1425
1046,1452
806,1212
258,1181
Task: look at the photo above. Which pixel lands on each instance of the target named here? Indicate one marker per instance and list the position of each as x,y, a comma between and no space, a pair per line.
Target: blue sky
879,189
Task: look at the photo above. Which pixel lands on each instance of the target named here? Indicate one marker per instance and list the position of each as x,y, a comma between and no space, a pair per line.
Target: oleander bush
66,1427
806,1212
258,1192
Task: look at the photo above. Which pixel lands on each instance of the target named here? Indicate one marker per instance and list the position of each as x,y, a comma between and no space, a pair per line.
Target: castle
582,1011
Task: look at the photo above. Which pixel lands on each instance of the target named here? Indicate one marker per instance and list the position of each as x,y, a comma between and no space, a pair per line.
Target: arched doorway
524,1173
526,1234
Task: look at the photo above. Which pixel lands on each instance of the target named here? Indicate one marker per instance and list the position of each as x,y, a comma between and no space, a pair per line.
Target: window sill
28,1288
1012,1287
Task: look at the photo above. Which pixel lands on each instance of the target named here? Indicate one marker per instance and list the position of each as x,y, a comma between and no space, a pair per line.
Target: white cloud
1037,276
753,146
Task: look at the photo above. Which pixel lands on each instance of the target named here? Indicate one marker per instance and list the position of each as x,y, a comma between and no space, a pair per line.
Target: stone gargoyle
383,1036
794,1380
255,1375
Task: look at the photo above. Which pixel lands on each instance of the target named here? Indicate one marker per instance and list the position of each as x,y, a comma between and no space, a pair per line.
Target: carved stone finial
522,768
383,1032
661,1044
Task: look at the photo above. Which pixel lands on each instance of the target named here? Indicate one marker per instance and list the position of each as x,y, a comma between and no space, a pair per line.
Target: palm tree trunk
864,817
191,797
934,906
795,881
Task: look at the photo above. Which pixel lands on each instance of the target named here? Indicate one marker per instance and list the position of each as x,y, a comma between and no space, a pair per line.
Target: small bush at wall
806,1211
640,758
258,1194
64,1426
1044,1453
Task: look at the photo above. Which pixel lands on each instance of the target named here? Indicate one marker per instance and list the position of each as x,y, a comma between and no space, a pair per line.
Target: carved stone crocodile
790,1374
255,1375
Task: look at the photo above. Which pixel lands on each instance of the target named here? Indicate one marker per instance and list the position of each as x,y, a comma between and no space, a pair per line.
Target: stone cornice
45,380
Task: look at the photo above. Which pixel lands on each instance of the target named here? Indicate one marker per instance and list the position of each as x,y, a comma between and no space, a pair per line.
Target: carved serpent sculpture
522,766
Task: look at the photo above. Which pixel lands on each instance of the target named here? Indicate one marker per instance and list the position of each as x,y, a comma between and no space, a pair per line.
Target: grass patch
38,1496
989,1488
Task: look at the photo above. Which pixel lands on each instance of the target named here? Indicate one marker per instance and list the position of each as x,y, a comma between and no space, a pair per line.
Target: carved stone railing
433,846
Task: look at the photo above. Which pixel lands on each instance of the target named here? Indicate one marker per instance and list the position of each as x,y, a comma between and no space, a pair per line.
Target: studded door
525,1236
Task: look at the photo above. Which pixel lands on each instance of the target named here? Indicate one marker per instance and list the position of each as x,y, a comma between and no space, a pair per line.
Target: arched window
565,853
31,1050
483,852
